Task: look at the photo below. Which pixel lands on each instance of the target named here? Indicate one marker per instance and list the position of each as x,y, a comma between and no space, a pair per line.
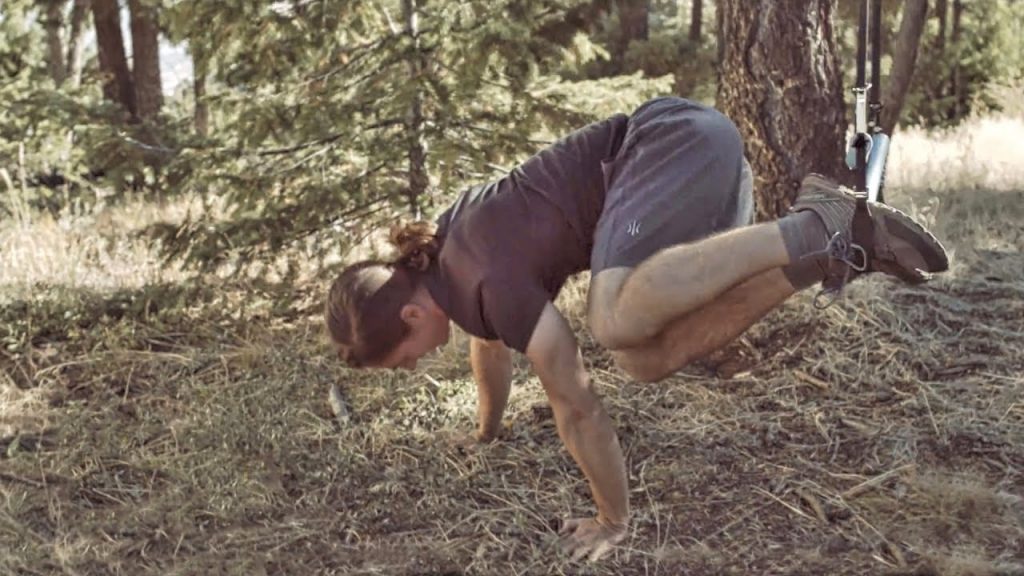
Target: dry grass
883,436
99,249
984,153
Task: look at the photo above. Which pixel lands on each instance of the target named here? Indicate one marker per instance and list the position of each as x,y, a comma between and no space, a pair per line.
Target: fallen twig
875,482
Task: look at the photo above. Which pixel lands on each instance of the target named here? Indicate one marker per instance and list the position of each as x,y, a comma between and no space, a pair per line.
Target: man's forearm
492,370
584,426
590,438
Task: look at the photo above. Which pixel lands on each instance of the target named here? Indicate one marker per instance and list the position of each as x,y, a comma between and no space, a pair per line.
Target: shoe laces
840,248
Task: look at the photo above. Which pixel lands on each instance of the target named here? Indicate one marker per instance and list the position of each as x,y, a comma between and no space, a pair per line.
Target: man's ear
411,313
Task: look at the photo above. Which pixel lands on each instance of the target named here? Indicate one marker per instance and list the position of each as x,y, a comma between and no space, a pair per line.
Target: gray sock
803,233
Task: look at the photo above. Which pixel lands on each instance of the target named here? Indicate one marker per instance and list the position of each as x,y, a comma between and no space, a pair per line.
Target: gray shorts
679,176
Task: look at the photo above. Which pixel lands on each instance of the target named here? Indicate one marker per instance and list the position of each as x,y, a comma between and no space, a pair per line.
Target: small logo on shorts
634,228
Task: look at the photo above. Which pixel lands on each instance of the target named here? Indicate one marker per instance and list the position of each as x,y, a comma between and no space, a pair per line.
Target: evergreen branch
301,161
360,53
486,130
147,147
357,213
259,152
326,139
295,148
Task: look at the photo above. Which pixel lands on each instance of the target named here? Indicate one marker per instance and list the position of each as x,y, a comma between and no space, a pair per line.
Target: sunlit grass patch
100,249
983,153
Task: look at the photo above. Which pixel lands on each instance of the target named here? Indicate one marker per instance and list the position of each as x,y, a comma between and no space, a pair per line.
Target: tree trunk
955,31
419,179
696,20
779,81
583,17
76,47
55,40
201,116
941,9
632,25
146,58
956,91
904,59
937,85
118,86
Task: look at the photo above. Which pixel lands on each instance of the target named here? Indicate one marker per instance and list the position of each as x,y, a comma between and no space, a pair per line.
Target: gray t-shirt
508,246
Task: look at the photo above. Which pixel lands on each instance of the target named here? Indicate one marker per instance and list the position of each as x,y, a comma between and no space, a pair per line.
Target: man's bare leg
702,331
710,291
629,307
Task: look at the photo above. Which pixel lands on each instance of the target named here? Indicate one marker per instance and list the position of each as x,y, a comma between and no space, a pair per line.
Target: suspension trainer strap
860,110
874,99
863,229
862,226
862,44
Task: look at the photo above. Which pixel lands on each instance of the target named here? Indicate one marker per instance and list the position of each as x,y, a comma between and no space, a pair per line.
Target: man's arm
492,369
585,429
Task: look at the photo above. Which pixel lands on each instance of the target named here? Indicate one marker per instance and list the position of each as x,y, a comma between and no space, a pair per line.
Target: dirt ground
185,429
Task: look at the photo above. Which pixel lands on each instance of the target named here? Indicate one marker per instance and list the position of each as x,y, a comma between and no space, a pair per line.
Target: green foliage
953,81
21,46
65,143
989,54
313,113
692,67
668,52
31,107
318,110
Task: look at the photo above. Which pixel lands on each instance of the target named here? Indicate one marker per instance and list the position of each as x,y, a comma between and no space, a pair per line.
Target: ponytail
417,245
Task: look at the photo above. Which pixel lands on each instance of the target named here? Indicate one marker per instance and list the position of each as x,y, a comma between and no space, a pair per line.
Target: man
658,206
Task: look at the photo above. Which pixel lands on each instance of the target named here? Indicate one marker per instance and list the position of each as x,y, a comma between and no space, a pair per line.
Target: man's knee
641,366
601,306
619,331
601,327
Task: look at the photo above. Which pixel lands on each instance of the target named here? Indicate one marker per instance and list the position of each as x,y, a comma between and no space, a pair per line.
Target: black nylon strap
862,229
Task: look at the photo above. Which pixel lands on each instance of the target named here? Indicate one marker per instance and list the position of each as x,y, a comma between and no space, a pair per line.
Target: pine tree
332,117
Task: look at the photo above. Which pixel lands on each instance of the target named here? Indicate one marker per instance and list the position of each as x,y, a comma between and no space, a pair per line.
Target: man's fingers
586,538
600,550
569,525
580,551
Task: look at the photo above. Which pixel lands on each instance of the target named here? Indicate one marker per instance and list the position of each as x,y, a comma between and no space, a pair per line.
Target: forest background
166,240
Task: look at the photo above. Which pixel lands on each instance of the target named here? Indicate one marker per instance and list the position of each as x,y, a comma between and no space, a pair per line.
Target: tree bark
201,115
780,83
941,10
118,86
632,24
956,90
904,59
146,58
76,47
696,21
582,17
419,179
54,24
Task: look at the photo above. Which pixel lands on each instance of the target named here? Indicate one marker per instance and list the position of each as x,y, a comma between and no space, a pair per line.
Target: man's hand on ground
590,537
